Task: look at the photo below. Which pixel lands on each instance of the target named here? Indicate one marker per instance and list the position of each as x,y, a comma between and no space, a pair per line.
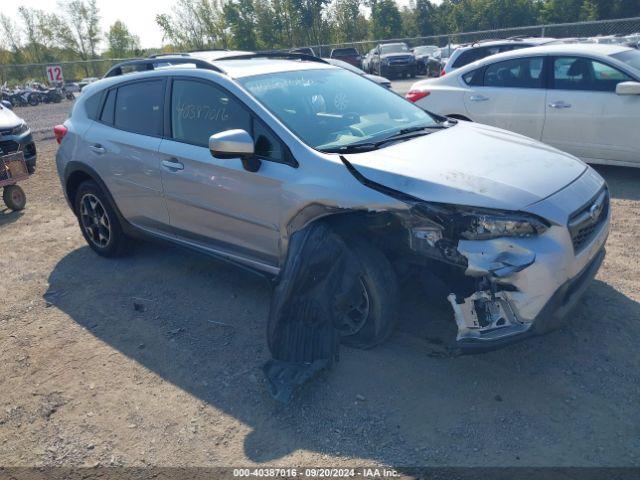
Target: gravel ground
43,117
155,359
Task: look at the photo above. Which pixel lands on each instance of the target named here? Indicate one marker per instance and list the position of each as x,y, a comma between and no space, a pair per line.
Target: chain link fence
606,30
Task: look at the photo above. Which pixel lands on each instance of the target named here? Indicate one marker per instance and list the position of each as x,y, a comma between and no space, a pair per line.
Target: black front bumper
551,317
24,143
391,70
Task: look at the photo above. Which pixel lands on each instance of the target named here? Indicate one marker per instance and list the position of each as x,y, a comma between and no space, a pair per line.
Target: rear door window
516,73
138,107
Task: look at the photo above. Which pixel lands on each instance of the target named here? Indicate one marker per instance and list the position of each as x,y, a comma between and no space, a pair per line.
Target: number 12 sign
54,73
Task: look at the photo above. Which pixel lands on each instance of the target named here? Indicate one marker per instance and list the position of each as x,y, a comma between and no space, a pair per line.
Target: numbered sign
54,74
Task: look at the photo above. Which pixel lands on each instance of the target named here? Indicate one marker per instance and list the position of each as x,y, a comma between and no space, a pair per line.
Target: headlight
20,129
385,61
485,225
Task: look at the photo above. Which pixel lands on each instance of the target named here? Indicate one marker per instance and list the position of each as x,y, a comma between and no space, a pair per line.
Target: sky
138,15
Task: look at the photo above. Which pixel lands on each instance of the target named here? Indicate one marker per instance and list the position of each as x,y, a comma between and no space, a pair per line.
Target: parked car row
583,99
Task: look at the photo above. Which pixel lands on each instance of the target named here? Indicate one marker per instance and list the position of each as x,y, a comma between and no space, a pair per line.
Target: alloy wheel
351,309
95,220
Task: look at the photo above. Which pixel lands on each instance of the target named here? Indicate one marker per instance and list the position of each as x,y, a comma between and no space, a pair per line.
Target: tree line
268,24
74,32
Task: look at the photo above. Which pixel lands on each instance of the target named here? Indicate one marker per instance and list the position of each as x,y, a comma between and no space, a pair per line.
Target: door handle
97,148
559,105
478,98
172,165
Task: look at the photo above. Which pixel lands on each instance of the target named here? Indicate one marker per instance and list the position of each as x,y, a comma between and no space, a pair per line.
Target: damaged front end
525,273
481,244
507,274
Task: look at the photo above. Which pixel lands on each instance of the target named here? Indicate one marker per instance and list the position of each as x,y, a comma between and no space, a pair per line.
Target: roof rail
160,55
274,54
485,40
151,64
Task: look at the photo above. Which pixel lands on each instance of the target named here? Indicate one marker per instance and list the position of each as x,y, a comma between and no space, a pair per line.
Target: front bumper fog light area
485,316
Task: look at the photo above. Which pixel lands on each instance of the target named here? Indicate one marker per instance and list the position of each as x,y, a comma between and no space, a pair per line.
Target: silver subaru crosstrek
234,156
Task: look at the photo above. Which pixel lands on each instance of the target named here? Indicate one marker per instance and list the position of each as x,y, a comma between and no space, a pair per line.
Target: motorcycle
24,97
46,94
50,95
68,94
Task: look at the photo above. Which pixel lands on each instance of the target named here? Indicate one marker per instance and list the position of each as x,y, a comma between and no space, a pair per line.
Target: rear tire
14,197
99,223
375,293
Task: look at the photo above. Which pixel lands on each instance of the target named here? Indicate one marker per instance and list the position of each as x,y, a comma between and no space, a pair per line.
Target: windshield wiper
402,134
353,148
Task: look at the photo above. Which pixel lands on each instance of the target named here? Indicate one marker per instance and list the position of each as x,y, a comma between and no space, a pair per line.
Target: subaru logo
595,210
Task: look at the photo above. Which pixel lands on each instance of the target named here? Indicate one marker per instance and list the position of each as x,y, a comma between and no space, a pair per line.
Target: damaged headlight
483,225
20,129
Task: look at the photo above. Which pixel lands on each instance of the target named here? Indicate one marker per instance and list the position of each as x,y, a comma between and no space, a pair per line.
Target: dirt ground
155,359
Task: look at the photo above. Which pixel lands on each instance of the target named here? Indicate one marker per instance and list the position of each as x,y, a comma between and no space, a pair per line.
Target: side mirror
235,143
7,104
628,88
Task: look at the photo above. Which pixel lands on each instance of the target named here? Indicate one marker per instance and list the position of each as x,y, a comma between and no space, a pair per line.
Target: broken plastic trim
485,317
302,337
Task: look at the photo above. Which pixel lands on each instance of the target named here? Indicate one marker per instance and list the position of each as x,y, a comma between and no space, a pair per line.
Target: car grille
9,146
6,131
400,61
586,222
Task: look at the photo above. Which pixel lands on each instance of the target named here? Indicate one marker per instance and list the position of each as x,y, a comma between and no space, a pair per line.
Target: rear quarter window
92,105
474,78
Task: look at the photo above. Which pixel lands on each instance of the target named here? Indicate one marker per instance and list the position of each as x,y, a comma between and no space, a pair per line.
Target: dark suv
393,60
349,55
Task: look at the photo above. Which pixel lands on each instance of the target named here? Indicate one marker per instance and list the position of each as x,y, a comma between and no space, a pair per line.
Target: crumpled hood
8,118
471,164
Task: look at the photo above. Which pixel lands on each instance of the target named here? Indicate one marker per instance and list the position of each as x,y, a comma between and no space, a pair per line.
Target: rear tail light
59,131
415,95
443,72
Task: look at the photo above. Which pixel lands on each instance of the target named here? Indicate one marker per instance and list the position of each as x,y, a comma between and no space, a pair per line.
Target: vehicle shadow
200,324
8,216
623,181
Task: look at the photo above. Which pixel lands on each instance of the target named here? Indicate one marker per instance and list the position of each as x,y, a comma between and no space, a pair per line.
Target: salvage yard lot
155,359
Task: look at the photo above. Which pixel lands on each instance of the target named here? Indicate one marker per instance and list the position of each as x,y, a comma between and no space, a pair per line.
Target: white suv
465,54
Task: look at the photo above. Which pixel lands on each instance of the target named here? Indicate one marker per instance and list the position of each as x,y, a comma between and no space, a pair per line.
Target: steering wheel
353,118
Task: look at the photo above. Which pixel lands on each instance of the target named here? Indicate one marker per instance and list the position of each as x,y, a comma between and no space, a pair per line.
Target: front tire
99,222
365,305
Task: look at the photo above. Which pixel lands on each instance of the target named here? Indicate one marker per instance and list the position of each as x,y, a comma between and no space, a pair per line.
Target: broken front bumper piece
489,320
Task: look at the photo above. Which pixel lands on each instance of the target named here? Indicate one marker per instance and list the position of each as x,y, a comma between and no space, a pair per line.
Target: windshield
394,48
630,57
424,50
333,108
